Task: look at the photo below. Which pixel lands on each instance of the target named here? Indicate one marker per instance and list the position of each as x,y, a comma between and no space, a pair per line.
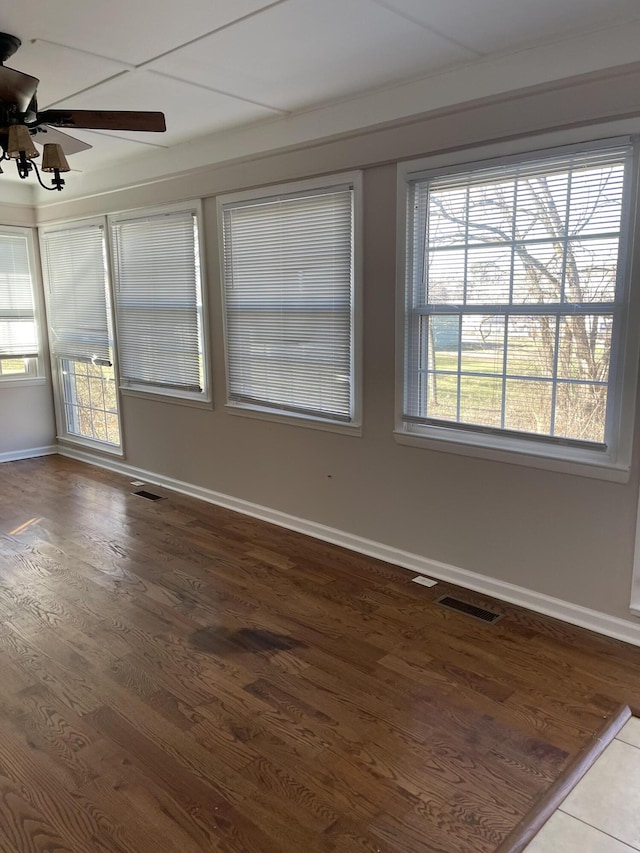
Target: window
290,301
515,303
158,302
75,270
91,401
18,327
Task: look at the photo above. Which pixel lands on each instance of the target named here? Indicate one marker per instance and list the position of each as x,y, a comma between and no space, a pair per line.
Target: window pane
445,276
592,267
447,212
596,200
482,345
444,343
542,206
581,411
538,272
442,396
528,406
489,274
531,345
480,401
491,212
17,366
584,347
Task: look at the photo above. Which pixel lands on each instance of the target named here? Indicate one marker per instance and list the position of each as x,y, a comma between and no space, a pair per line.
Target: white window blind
158,300
289,296
514,297
18,335
75,270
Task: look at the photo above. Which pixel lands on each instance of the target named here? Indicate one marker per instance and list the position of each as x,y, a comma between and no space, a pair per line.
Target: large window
75,271
291,303
516,301
19,357
159,302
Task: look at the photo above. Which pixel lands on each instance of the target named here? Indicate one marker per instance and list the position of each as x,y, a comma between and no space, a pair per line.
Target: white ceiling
214,65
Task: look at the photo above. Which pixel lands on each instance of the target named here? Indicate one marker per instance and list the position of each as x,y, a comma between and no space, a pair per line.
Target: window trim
62,433
327,182
612,464
36,372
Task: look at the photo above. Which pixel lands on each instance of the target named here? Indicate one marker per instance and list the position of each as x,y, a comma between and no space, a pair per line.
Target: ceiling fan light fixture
20,119
20,144
53,158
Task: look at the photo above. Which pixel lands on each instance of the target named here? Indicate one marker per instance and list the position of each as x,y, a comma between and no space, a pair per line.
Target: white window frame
610,464
198,399
57,373
61,413
35,370
354,426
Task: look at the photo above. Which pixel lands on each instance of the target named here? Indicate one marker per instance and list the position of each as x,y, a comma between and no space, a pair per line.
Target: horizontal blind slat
75,269
158,301
18,334
288,284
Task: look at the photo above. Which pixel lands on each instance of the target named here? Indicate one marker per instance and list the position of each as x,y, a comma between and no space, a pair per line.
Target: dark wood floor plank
177,677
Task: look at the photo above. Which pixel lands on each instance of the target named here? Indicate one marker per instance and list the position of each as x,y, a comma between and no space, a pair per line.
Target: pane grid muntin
554,380
613,177
72,372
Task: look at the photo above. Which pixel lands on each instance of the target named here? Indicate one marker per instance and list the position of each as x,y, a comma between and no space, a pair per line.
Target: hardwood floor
176,677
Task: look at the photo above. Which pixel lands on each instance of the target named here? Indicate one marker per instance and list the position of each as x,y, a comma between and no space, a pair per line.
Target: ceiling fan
21,122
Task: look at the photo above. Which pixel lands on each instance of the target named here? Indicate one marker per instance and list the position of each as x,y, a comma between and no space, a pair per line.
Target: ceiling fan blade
104,119
17,88
69,144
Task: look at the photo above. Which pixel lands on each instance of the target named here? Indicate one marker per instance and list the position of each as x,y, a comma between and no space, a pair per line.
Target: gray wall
559,534
26,418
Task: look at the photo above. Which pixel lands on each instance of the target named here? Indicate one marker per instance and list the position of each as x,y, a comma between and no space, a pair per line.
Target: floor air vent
149,496
468,609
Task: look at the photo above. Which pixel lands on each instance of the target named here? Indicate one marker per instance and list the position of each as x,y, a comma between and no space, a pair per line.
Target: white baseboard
14,455
593,620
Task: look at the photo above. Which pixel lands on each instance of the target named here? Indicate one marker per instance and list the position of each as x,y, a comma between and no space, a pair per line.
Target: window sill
100,447
175,399
294,420
23,381
531,457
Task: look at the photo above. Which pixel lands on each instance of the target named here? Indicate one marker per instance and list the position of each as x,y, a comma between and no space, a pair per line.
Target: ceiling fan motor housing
8,46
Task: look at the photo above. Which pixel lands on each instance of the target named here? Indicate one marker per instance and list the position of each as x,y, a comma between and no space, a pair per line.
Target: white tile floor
602,813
